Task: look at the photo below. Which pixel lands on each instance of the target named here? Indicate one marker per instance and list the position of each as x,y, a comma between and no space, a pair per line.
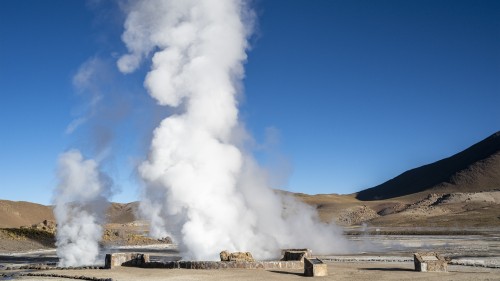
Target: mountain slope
20,213
15,214
473,170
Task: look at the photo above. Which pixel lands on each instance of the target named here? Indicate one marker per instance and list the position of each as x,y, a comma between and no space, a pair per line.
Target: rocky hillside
475,169
122,212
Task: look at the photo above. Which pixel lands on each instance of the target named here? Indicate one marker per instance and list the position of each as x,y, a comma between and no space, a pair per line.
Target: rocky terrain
42,236
448,210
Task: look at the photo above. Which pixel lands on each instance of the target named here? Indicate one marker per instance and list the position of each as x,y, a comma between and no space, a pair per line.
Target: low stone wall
52,275
295,254
78,277
225,265
125,259
142,260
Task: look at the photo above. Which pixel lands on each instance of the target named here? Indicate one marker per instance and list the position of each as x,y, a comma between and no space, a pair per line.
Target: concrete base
295,254
315,267
430,261
142,260
269,265
125,259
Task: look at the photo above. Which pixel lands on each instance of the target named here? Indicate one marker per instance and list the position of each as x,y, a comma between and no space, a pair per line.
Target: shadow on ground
287,272
26,260
387,269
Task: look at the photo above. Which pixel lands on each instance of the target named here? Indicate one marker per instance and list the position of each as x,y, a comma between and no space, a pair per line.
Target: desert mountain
475,169
18,213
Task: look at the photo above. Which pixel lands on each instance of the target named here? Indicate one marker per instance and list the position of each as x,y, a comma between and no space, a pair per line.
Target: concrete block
430,261
315,267
295,254
125,259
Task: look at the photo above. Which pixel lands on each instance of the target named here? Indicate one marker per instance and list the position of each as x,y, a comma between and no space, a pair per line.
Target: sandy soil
390,259
337,271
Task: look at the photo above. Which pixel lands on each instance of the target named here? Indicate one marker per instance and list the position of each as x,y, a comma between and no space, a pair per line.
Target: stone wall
142,260
125,259
225,265
295,254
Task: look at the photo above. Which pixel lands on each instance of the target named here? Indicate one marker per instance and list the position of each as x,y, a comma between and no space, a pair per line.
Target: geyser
201,187
80,205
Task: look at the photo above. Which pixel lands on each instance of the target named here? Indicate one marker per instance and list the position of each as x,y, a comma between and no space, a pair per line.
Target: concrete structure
430,261
268,265
315,267
142,260
125,259
295,254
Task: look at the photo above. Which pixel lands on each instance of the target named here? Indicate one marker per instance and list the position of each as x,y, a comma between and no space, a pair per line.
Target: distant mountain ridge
475,169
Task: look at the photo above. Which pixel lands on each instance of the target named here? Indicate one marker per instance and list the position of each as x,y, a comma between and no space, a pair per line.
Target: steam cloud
201,187
80,205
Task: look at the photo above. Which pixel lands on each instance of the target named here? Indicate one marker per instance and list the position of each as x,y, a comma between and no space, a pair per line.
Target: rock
236,256
46,225
166,240
357,215
224,256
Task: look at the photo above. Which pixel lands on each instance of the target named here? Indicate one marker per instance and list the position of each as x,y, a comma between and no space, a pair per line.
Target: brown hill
475,169
20,213
122,212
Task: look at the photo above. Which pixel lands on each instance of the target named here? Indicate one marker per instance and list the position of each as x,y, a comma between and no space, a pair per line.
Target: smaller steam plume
80,204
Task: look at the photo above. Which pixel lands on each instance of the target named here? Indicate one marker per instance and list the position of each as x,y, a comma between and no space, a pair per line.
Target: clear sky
339,95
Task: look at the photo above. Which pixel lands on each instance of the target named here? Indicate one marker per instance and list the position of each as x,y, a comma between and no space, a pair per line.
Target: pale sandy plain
337,271
472,257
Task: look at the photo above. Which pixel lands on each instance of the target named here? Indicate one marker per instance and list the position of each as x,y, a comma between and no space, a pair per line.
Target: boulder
236,256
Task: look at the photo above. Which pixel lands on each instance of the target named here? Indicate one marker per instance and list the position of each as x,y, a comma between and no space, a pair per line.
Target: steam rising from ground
201,188
80,205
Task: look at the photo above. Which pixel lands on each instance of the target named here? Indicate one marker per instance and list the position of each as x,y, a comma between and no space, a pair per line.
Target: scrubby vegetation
43,237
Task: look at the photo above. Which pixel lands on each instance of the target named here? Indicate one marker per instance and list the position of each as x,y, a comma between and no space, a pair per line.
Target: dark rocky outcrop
475,169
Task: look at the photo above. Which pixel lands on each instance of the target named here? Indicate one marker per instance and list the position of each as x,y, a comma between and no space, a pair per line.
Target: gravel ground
337,271
390,258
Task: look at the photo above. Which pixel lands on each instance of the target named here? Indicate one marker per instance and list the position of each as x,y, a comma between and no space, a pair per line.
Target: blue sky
339,95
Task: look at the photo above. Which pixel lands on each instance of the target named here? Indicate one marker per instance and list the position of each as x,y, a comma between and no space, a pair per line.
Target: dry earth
337,271
453,210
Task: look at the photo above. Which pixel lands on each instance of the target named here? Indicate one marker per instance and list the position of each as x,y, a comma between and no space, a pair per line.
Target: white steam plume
201,188
80,205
